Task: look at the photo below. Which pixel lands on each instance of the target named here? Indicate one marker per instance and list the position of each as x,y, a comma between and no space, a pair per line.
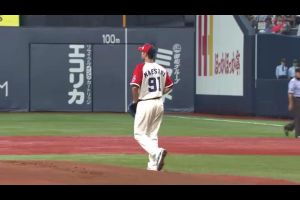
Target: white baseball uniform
151,78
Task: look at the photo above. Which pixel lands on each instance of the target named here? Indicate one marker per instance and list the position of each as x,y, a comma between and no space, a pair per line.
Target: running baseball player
149,82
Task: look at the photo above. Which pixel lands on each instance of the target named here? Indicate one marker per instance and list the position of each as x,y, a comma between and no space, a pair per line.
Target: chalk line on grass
227,120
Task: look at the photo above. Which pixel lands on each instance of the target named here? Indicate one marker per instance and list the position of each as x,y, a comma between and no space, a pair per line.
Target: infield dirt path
71,173
127,145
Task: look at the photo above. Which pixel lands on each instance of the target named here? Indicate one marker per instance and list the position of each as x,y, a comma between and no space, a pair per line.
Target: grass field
121,124
59,124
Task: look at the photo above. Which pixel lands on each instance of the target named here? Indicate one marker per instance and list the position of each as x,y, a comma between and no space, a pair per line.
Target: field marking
226,120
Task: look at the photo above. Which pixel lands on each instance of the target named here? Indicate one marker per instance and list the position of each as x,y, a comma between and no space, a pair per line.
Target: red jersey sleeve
137,75
169,82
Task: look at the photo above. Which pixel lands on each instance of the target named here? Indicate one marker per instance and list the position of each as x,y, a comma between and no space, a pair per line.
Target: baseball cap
146,48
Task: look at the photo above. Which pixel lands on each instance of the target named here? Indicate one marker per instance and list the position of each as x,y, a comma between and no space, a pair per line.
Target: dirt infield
71,173
59,172
127,145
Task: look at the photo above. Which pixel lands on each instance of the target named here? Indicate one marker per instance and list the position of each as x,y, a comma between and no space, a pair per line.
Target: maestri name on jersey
153,72
151,78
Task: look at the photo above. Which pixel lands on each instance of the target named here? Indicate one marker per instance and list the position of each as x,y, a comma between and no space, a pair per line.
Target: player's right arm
166,90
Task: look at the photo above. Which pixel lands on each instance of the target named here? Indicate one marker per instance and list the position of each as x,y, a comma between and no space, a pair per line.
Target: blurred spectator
264,23
297,22
252,20
277,27
291,19
297,19
282,70
269,25
291,72
286,26
281,24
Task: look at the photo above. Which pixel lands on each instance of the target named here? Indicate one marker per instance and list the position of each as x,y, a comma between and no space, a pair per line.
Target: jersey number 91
153,83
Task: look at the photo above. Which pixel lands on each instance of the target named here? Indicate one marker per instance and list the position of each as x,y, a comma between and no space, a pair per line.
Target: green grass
64,124
279,167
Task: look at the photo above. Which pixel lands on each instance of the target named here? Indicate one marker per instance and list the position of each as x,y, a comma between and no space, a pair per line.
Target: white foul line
230,121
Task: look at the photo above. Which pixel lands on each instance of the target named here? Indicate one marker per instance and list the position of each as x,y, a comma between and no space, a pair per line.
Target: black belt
149,99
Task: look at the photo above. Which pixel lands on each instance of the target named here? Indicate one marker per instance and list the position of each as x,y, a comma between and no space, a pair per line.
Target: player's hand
132,108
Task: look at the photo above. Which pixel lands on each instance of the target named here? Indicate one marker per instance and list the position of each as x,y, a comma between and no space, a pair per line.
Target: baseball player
149,82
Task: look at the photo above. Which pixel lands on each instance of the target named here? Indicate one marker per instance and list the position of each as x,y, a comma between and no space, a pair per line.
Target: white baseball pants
147,122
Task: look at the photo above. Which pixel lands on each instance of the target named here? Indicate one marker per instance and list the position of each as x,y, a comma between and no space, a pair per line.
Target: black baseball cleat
160,159
286,131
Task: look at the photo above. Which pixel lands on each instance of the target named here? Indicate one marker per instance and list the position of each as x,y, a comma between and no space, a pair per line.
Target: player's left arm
168,85
135,93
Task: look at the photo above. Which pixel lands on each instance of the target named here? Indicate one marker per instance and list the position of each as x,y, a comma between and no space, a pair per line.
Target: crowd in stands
278,24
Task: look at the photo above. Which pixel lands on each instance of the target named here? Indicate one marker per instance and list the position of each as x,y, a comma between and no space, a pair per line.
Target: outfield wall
88,69
224,65
235,69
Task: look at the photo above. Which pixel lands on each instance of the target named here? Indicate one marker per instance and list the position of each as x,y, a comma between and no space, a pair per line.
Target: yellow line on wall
124,21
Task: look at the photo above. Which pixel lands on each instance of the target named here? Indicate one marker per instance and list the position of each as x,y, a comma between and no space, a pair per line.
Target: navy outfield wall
15,64
271,94
65,90
60,77
271,98
225,82
14,71
35,70
109,78
51,69
271,48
